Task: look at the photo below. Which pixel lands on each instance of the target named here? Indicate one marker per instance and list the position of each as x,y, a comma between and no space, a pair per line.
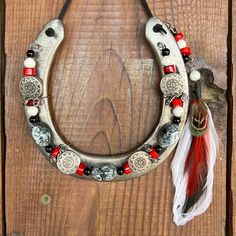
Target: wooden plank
232,100
2,110
105,100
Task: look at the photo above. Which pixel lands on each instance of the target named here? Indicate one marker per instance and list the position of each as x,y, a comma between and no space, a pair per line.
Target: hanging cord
68,2
64,9
146,8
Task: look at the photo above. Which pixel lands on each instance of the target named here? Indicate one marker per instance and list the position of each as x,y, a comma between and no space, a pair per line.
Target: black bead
87,171
120,171
176,120
50,32
30,53
49,149
186,58
165,52
34,119
158,149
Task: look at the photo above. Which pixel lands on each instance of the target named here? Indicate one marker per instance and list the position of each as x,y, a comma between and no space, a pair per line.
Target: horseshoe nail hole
45,199
50,32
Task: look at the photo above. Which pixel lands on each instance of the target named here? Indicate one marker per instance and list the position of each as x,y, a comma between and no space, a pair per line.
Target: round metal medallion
41,135
104,172
30,87
68,162
169,135
172,85
139,162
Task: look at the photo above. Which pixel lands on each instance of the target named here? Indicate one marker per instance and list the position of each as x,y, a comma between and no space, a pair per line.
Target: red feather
197,161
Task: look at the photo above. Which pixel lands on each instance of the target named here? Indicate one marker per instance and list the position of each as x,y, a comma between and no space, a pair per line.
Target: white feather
180,180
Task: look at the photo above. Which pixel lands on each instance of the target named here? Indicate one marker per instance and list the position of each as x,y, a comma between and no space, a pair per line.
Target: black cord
146,8
64,9
68,2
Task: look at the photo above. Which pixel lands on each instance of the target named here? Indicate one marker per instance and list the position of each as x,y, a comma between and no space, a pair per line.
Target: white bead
178,111
195,75
32,110
166,61
29,63
182,43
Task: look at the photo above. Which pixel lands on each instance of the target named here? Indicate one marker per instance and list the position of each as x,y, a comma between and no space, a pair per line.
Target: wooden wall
105,99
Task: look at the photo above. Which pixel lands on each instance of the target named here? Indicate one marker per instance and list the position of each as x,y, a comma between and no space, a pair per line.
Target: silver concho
139,162
41,135
68,162
168,135
104,172
30,87
172,85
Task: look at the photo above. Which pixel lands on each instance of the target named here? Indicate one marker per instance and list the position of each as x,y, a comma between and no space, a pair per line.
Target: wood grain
105,99
2,110
232,68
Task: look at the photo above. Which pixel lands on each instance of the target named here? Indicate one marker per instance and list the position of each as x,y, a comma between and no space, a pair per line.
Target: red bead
29,72
55,152
186,51
127,169
30,102
81,168
154,154
179,36
169,69
177,102
33,102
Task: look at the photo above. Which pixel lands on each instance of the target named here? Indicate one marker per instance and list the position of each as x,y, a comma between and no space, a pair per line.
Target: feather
193,163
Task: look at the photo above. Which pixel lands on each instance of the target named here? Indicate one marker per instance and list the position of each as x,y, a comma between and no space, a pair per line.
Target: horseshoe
68,159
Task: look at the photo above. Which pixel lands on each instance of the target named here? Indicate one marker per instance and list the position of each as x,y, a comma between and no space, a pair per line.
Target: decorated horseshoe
69,160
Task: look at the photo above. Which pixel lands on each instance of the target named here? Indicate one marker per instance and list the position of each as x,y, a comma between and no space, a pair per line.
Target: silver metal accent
172,85
30,87
68,162
104,172
139,162
41,135
48,48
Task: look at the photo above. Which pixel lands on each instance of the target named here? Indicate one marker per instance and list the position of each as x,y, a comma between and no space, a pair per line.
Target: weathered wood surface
2,135
232,99
105,100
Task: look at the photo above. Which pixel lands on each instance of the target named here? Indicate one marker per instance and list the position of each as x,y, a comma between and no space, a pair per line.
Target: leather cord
68,2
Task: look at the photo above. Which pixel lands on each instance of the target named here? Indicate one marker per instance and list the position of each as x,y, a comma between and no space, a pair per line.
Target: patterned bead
127,169
169,69
29,72
81,168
